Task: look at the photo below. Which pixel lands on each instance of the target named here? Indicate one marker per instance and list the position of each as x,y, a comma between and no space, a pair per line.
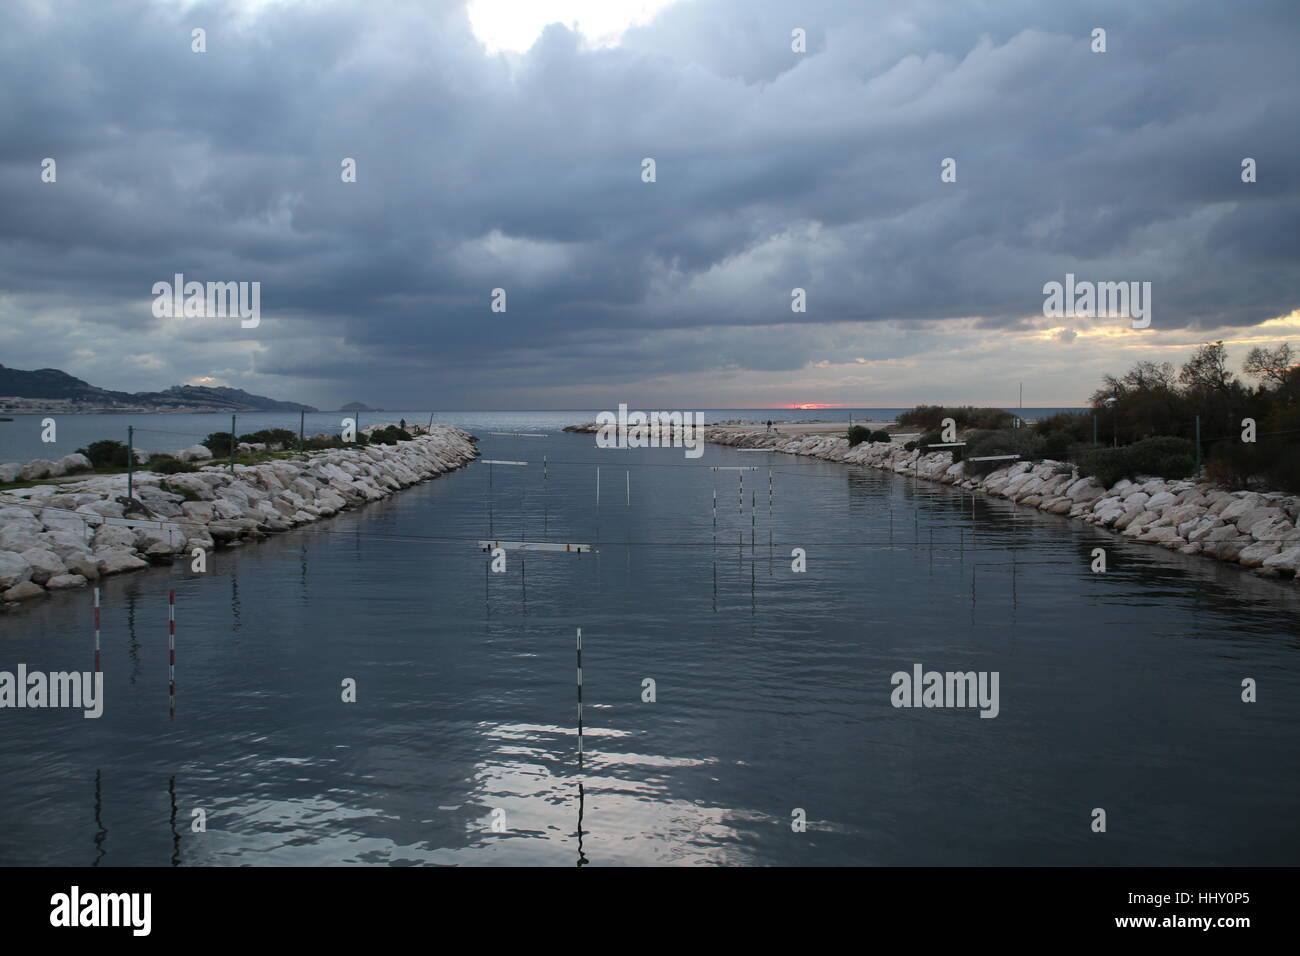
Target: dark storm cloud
774,170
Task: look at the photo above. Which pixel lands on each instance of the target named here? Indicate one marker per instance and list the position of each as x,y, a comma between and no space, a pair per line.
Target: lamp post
1114,421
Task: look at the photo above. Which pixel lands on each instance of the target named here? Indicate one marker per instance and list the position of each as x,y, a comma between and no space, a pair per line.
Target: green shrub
930,439
389,436
1107,465
1059,446
1163,456
858,434
105,454
185,493
1283,472
923,416
930,417
1229,472
272,436
933,438
331,442
1077,426
1237,465
169,466
1002,441
218,443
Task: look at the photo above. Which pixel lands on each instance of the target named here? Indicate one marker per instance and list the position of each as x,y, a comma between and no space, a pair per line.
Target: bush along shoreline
1256,530
59,536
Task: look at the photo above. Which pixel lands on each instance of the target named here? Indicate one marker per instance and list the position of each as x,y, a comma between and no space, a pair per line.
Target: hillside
54,385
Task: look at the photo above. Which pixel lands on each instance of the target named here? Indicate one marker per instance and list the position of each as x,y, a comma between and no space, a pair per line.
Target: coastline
1255,530
62,537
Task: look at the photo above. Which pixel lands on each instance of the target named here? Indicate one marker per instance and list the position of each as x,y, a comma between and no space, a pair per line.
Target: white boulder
156,541
71,464
13,569
115,562
112,537
20,537
194,453
63,581
87,565
23,591
39,468
1288,560
1252,556
44,564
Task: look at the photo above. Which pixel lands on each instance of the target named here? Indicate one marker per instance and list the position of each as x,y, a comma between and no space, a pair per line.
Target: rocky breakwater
54,537
1257,530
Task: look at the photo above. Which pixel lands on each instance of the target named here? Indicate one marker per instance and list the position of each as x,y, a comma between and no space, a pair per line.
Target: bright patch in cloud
516,24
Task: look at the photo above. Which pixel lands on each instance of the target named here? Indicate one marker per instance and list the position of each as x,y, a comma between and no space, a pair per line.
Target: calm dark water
1118,691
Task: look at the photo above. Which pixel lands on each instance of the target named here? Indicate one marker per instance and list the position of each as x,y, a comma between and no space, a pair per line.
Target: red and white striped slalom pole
96,630
171,655
580,698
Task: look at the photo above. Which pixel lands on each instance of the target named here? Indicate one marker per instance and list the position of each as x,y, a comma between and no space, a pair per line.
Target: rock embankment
54,537
1252,529
43,468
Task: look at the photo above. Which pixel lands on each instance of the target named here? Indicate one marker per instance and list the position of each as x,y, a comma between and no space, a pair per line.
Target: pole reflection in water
302,555
101,832
176,835
234,601
582,860
133,643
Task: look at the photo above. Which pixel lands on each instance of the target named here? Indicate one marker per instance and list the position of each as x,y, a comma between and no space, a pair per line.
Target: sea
23,438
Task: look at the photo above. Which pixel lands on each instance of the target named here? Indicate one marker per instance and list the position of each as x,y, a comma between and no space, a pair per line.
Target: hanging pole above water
535,546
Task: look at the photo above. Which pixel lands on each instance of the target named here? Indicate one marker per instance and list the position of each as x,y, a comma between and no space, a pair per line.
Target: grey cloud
774,171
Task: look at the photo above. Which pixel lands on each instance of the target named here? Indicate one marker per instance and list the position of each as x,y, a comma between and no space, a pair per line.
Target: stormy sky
499,144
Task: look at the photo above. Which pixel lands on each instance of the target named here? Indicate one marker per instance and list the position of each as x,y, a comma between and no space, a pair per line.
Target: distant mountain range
58,388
